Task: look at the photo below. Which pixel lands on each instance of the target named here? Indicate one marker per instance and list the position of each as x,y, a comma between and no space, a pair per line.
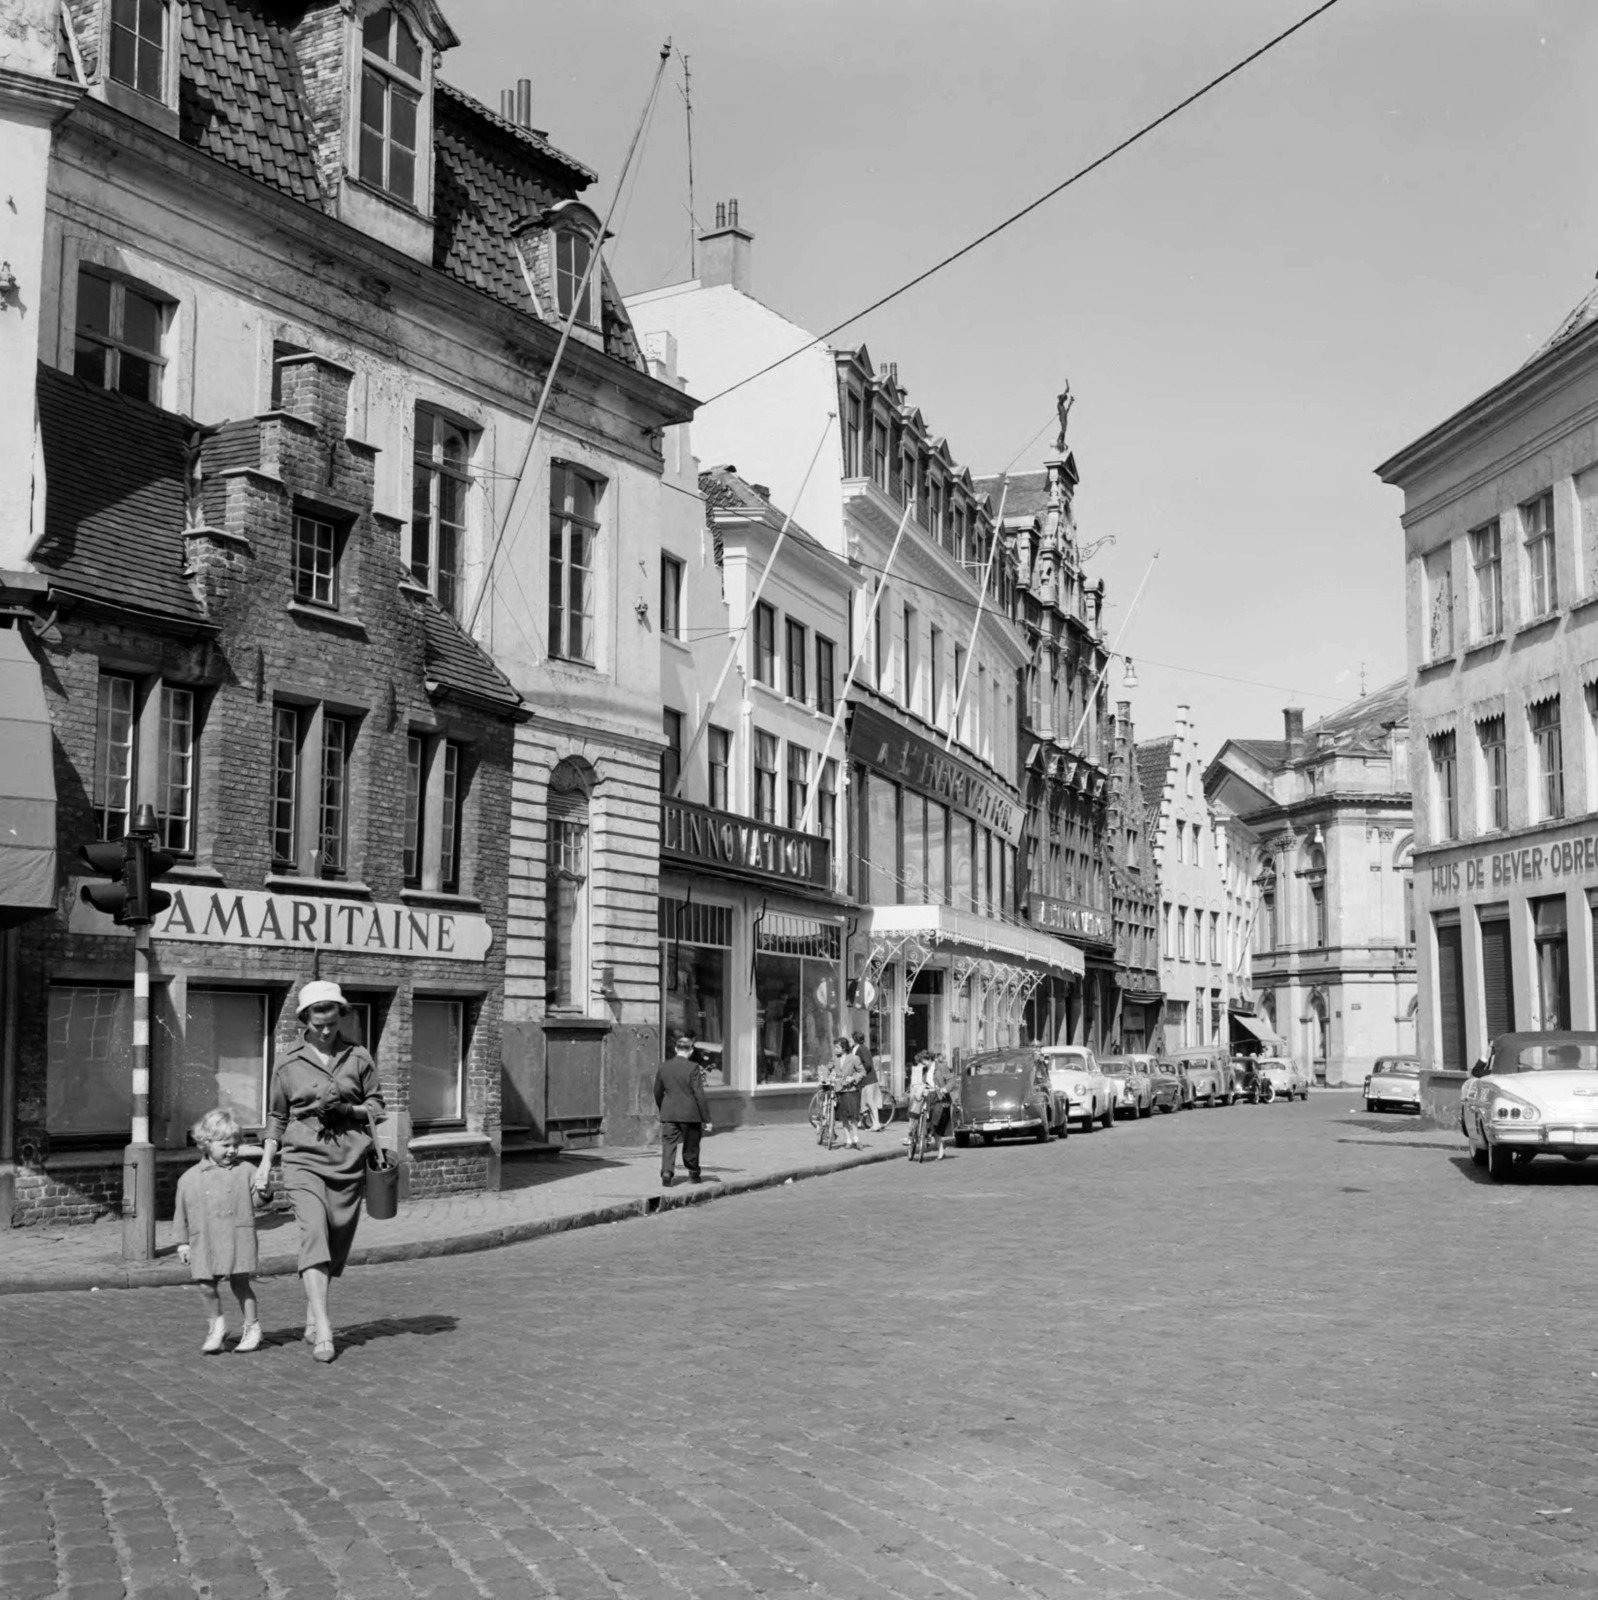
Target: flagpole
971,648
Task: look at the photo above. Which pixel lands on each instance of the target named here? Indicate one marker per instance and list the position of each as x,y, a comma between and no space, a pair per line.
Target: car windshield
1395,1069
1565,1056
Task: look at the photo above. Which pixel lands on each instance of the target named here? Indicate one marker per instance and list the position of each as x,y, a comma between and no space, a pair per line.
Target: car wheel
1042,1134
1146,1111
962,1140
1478,1158
1109,1116
1500,1161
1370,1105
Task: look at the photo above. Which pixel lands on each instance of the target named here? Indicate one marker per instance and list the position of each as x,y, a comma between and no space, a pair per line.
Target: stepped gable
114,498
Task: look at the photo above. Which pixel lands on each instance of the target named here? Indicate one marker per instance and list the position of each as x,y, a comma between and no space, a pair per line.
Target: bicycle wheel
885,1113
918,1134
815,1108
829,1114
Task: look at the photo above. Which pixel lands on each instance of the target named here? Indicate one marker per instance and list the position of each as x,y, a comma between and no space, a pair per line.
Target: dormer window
391,92
138,45
572,253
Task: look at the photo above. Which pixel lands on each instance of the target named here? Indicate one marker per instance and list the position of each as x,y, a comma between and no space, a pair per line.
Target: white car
1074,1072
1536,1095
1131,1085
1394,1083
1287,1077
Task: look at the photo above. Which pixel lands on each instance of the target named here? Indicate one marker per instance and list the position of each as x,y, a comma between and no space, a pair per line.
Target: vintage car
1131,1087
1286,1077
1536,1094
1209,1077
1394,1082
1002,1093
1074,1072
1169,1084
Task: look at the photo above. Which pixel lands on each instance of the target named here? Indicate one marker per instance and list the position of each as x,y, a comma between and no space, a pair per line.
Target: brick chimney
724,252
1293,724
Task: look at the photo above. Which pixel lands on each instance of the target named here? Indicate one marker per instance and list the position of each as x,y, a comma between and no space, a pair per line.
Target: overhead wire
1026,210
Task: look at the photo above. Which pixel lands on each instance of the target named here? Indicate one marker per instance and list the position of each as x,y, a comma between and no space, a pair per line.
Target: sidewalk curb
168,1274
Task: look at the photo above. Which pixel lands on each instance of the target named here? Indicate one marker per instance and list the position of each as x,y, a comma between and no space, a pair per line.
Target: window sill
1438,661
677,643
349,888
1546,620
1583,603
328,619
182,873
454,1138
576,1022
1483,647
445,901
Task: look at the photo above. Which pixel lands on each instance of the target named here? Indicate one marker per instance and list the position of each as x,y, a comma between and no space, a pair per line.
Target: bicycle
826,1120
918,1139
885,1115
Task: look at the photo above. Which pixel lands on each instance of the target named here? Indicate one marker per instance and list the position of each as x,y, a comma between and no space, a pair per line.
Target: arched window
391,93
573,248
566,901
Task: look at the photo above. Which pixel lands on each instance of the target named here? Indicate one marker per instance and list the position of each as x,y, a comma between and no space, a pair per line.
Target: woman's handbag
382,1179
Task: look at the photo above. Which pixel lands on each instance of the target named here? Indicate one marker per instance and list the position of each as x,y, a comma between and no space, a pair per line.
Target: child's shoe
249,1340
213,1340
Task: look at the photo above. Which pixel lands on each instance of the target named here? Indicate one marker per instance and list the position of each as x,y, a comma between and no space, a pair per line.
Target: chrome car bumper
1001,1124
1558,1138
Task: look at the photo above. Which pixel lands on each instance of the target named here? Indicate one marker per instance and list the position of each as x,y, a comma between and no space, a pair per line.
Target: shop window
573,252
1542,572
120,334
765,777
913,832
671,575
438,1062
671,756
798,784
1494,775
1497,971
1487,580
1548,776
391,95
88,1091
315,560
765,643
566,908
224,1060
1553,963
441,482
796,656
158,767
796,997
696,959
937,854
1445,787
826,684
720,749
882,840
574,500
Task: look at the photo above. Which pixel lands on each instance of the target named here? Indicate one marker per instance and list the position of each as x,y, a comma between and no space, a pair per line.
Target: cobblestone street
1269,1351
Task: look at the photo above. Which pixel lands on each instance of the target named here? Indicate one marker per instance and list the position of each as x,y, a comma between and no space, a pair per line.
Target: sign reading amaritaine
898,753
250,917
698,834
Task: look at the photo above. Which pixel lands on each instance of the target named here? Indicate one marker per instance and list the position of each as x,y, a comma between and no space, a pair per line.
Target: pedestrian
846,1074
215,1224
870,1087
929,1087
684,1110
321,1106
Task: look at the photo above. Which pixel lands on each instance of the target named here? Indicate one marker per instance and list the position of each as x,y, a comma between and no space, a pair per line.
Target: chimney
1293,723
524,102
724,251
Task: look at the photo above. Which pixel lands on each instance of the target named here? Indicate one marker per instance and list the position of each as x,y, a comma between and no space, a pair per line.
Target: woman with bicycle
844,1077
929,1096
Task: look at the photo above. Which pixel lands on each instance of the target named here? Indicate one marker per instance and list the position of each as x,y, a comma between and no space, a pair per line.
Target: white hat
318,993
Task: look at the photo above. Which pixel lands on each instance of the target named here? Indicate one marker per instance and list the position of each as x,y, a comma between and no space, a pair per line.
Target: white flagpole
848,683
754,600
971,648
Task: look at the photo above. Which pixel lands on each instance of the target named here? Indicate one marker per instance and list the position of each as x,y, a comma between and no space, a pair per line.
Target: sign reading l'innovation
714,838
303,922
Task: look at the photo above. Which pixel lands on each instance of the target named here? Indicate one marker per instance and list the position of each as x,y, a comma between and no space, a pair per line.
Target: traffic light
131,864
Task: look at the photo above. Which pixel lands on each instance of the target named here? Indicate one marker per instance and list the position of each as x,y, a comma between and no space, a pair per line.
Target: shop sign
1497,872
898,753
1063,916
302,922
712,838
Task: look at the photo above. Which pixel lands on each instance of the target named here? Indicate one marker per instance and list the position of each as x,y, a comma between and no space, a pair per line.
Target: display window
223,1060
695,963
796,997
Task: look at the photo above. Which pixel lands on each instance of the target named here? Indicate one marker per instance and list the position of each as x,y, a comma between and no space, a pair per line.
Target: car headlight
1508,1109
1079,1090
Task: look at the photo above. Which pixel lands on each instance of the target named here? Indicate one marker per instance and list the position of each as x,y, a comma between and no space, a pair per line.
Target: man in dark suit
684,1111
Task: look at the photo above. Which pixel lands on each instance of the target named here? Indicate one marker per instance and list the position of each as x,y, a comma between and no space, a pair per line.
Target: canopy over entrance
1253,1028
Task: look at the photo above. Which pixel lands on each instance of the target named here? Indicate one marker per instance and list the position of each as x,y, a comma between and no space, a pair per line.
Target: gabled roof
724,490
1027,494
114,498
1362,722
453,659
1268,752
1153,765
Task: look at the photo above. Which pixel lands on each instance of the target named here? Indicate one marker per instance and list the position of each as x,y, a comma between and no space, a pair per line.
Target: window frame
763,644
316,584
567,524
395,82
1487,577
1542,564
431,471
799,778
568,859
568,276
114,26
671,726
148,761
826,676
112,343
796,652
461,1010
1494,787
1548,775
1443,752
671,595
719,763
764,756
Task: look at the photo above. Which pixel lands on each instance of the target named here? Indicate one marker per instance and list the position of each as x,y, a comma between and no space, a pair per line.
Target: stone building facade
1134,898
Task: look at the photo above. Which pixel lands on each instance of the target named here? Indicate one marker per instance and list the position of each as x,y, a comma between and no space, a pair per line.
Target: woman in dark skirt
323,1092
847,1073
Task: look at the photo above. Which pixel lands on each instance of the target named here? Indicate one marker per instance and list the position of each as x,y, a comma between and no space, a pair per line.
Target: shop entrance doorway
923,1023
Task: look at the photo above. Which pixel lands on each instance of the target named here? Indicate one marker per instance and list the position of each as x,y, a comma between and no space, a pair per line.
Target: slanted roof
453,659
1027,496
724,490
1363,722
114,498
1153,765
1268,752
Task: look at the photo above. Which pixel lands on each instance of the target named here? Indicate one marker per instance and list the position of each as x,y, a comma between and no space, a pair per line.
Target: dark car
1002,1093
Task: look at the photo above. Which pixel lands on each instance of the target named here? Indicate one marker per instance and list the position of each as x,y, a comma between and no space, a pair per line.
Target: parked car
1131,1087
1394,1082
1169,1084
1074,1072
1535,1094
1287,1077
1002,1093
1209,1077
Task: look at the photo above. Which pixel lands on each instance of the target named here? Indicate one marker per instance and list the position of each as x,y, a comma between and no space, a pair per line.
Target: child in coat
215,1224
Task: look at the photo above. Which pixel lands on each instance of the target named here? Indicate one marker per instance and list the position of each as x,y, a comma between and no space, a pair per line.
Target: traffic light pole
138,1160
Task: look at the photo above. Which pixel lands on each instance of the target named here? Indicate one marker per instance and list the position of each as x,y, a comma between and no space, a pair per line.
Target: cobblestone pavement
1266,1351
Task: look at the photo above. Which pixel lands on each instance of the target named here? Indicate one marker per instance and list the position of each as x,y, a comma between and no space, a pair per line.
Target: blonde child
215,1224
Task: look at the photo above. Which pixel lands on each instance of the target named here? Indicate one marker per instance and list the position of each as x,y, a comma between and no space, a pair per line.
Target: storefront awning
981,935
1255,1029
27,786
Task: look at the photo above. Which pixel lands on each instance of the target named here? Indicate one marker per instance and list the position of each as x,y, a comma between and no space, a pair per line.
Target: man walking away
684,1111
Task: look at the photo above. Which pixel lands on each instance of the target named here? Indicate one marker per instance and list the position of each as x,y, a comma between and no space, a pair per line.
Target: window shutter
1497,976
1451,997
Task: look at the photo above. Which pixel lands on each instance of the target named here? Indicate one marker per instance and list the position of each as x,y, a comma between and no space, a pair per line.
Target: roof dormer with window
129,52
558,249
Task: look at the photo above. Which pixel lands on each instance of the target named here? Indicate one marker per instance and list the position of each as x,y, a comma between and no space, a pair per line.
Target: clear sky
1254,306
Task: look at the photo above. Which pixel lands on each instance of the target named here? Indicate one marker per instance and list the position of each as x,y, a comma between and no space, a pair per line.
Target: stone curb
172,1273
